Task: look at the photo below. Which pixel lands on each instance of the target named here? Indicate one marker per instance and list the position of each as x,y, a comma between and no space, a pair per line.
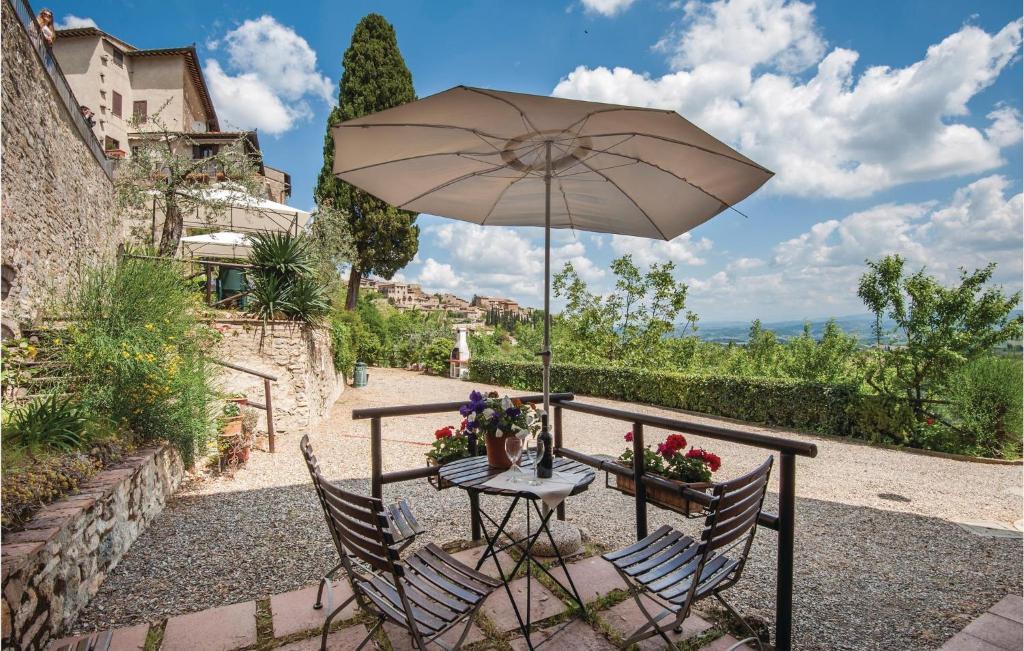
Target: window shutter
117,104
139,112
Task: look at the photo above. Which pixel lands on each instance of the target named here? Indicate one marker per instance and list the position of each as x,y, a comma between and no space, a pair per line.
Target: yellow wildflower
150,326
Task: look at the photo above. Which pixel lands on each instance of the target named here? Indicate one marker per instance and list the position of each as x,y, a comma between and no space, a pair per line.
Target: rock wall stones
56,564
58,206
301,359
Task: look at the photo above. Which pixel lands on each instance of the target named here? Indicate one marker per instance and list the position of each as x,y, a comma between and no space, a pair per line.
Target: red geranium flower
713,460
444,432
628,436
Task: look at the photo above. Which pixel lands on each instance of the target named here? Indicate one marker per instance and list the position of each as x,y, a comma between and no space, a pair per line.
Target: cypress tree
375,78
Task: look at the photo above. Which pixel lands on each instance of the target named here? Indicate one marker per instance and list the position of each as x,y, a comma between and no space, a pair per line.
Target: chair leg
323,581
380,620
753,634
327,622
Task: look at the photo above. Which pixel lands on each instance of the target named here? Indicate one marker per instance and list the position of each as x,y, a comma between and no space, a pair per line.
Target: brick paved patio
288,621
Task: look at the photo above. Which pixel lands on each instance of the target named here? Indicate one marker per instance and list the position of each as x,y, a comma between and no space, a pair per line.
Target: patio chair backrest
360,528
735,507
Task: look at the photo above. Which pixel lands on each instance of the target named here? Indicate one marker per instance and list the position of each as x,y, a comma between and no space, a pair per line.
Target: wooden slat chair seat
401,520
677,570
428,594
95,642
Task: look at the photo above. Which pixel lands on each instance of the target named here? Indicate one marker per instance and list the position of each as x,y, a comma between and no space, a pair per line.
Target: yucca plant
282,281
270,297
308,301
51,422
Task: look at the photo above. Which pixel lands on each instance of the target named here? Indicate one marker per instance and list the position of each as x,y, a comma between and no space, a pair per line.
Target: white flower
472,417
488,414
506,403
498,433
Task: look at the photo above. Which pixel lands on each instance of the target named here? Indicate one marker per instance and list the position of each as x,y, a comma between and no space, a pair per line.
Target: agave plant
270,297
309,301
53,422
284,254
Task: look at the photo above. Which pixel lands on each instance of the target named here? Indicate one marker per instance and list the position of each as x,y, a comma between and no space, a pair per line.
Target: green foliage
51,422
449,444
944,328
383,239
381,335
985,412
283,285
135,352
773,401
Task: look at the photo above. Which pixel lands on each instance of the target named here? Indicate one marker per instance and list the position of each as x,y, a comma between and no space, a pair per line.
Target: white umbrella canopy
480,156
239,211
217,245
510,159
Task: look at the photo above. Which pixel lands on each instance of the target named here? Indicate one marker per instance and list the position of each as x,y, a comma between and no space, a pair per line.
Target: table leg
523,626
545,519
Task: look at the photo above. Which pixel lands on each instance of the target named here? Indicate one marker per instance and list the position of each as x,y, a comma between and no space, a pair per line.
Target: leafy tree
832,359
944,328
384,239
162,168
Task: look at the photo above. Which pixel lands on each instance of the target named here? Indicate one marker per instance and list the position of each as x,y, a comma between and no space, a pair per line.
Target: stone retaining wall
53,567
301,359
59,210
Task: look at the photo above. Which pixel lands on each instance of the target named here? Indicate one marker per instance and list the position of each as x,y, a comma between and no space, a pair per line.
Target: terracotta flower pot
496,455
232,427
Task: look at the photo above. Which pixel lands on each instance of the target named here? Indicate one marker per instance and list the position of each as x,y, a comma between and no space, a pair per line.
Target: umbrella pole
546,353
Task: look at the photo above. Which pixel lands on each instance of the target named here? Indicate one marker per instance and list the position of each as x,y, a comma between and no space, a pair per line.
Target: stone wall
56,564
301,359
58,205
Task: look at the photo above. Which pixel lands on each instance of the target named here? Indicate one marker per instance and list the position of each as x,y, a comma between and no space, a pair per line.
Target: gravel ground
872,572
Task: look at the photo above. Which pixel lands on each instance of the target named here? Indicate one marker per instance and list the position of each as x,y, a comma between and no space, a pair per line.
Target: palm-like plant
52,422
270,297
282,253
308,300
282,281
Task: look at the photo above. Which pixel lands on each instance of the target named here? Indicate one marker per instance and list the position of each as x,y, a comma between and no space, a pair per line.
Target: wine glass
514,450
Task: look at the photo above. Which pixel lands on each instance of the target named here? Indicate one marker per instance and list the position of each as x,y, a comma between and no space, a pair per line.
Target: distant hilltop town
410,296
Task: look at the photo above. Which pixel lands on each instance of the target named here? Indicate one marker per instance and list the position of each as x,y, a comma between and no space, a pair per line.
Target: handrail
439,407
27,18
267,405
719,432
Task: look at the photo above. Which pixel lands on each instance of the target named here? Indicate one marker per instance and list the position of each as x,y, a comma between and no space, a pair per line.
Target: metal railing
787,449
267,405
27,18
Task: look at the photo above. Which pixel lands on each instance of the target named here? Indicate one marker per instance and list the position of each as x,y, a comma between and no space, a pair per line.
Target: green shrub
985,413
136,353
51,422
797,404
436,356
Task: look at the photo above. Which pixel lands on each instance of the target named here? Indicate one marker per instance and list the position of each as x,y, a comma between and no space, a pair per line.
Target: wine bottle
546,452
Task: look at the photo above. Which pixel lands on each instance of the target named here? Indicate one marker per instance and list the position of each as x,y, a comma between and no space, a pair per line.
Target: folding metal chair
427,594
676,571
402,522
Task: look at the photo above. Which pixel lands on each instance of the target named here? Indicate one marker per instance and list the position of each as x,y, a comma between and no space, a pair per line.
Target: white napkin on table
551,491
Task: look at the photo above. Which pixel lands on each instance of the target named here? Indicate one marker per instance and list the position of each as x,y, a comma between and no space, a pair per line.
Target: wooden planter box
666,499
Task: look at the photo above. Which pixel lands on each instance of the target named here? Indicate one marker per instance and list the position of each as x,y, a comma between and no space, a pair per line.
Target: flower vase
496,455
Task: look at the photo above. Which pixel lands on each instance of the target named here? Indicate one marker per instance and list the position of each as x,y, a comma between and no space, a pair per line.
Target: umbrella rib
424,125
447,183
501,195
568,212
522,115
631,200
682,143
465,154
724,203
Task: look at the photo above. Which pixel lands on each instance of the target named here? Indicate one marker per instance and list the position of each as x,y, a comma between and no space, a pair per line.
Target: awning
242,213
216,245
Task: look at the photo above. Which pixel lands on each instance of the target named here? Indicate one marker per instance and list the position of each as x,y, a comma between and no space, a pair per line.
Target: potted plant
235,438
239,399
449,445
492,418
692,469
231,420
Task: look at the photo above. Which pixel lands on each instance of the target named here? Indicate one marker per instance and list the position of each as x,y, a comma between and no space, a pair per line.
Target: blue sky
893,127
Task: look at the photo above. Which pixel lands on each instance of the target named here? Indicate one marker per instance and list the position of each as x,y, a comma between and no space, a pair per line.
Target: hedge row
797,404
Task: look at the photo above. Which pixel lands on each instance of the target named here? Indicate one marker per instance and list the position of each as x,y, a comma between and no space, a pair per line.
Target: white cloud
816,273
683,250
71,21
832,133
498,260
606,7
269,78
744,264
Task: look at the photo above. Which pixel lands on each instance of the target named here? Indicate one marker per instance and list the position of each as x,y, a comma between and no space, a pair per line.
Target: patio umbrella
510,159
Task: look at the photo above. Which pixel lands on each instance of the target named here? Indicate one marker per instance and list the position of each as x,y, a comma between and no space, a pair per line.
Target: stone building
125,86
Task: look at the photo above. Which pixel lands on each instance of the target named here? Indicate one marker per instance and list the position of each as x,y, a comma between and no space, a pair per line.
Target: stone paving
295,626
999,629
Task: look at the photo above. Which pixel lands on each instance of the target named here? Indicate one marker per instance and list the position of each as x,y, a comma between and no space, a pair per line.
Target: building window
139,112
116,108
118,56
110,144
200,152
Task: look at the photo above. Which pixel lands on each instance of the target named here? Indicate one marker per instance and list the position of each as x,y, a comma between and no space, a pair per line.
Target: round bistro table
471,474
